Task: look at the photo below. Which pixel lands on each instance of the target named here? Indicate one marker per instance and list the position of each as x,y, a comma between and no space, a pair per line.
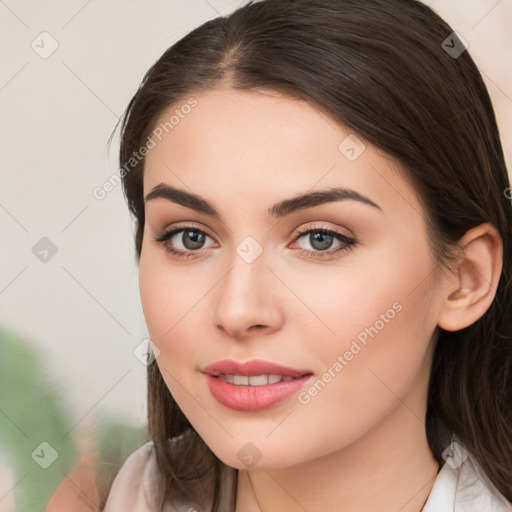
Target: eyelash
349,243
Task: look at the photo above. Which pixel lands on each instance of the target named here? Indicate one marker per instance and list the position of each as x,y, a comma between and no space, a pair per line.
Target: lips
253,385
252,368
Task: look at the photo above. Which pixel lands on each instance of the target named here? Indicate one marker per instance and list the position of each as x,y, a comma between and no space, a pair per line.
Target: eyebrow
281,209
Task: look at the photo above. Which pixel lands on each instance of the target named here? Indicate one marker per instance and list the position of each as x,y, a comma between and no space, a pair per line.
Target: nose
248,299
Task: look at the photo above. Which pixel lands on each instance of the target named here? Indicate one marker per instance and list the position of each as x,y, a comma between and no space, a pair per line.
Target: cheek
167,293
377,321
173,300
382,290
166,303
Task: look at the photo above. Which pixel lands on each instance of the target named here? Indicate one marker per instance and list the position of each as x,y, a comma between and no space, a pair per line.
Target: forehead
265,145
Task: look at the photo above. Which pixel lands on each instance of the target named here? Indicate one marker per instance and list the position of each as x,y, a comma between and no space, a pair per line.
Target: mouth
254,385
256,392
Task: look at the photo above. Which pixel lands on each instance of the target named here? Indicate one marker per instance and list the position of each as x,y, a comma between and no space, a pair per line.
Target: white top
461,487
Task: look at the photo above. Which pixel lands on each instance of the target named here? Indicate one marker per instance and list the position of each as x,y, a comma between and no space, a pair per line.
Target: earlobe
479,271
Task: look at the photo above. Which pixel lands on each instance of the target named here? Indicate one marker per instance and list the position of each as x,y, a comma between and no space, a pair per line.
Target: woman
324,240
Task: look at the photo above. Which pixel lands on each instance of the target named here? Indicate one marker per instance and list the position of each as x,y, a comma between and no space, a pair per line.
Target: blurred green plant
36,428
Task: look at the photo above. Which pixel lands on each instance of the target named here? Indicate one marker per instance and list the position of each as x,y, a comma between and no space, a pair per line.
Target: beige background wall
82,306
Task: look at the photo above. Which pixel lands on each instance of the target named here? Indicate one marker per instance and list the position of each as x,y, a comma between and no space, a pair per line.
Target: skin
360,443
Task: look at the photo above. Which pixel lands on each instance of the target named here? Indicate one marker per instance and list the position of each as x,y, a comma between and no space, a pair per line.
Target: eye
188,241
190,238
322,239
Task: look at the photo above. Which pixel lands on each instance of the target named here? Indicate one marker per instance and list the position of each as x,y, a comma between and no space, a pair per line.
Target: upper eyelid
300,230
320,227
183,227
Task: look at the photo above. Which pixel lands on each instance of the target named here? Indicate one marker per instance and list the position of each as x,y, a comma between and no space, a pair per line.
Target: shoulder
476,492
133,487
137,486
462,486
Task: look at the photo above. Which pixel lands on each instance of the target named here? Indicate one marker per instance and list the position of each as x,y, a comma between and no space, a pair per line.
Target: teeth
240,380
256,380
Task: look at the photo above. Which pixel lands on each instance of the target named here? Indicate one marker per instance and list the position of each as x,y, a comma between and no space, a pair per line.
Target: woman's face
359,317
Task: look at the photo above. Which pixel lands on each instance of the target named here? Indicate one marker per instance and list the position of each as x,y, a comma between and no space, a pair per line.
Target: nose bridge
243,297
247,268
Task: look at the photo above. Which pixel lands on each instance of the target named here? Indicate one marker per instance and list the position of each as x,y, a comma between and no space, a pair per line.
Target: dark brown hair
384,69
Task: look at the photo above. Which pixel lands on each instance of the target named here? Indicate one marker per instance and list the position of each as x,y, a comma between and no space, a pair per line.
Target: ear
471,290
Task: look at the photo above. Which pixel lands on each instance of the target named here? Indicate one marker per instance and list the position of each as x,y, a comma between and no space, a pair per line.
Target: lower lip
254,398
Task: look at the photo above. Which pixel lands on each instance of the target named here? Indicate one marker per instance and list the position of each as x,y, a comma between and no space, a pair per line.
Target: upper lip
252,368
